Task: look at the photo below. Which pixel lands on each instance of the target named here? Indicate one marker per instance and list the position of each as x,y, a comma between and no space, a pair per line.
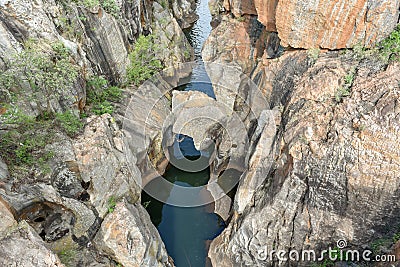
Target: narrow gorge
199,133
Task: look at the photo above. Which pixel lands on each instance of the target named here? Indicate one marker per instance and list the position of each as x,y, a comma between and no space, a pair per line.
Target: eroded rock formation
130,239
335,24
330,171
321,24
241,42
74,205
335,161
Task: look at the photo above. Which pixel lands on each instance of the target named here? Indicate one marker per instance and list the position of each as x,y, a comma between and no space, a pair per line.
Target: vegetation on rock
143,60
23,147
390,47
67,256
69,122
109,6
345,90
44,68
313,54
111,204
101,96
387,50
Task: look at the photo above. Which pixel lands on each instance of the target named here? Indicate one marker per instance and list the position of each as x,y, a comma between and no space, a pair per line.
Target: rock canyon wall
335,165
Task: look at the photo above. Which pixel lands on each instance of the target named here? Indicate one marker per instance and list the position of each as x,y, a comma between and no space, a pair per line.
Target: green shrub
241,18
16,118
47,69
67,256
164,3
345,90
341,93
102,108
146,204
112,93
97,83
396,237
313,54
100,95
111,204
23,147
109,6
349,78
378,244
387,50
88,3
187,54
143,60
70,123
390,47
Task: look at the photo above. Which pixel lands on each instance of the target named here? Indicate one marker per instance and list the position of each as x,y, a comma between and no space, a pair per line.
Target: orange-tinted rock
397,250
239,8
336,163
266,10
334,24
232,41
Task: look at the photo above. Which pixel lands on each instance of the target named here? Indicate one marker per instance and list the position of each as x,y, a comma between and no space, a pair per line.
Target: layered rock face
330,170
124,233
323,24
335,24
99,38
68,212
94,183
241,42
239,8
335,166
266,12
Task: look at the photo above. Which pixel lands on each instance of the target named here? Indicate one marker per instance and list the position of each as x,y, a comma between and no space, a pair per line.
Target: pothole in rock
51,221
68,184
184,211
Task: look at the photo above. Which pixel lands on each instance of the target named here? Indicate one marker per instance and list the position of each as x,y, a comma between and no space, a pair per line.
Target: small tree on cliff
143,60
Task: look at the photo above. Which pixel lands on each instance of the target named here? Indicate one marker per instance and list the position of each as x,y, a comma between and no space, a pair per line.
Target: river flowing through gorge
187,231
272,127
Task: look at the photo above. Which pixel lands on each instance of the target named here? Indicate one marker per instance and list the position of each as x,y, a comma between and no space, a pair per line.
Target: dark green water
185,231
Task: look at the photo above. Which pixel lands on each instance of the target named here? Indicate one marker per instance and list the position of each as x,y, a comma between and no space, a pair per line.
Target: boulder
106,162
185,12
194,113
266,12
223,46
127,235
240,8
259,161
172,43
6,217
22,246
3,170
